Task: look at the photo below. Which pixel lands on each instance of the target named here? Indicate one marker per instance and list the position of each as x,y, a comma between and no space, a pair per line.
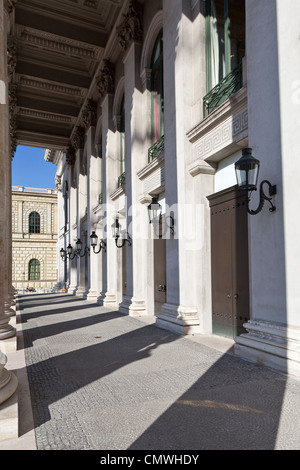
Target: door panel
159,274
229,258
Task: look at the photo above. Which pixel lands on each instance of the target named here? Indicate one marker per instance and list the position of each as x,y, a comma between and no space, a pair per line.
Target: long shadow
212,401
33,334
233,406
37,314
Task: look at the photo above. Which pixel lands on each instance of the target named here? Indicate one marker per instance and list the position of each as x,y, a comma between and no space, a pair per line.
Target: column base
271,345
132,306
8,381
72,290
179,320
80,292
92,296
110,301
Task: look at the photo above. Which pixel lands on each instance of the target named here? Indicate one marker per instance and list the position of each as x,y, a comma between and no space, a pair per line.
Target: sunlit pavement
102,380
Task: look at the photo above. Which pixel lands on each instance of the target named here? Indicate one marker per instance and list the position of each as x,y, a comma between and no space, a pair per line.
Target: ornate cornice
89,114
57,43
130,30
105,80
49,86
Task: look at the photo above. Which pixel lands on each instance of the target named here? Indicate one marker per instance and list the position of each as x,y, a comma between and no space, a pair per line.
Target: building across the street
34,238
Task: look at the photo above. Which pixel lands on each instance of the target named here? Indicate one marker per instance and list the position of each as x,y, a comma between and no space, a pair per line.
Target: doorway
160,283
229,262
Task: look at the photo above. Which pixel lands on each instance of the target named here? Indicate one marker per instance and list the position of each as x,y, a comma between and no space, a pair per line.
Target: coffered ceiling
55,48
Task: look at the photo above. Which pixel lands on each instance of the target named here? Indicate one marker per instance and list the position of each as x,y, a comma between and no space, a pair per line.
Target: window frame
34,222
35,273
157,65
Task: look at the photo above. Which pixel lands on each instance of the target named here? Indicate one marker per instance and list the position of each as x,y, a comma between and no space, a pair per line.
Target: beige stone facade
34,244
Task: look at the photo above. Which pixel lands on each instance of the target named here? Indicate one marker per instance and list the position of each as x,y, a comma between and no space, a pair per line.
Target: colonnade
8,381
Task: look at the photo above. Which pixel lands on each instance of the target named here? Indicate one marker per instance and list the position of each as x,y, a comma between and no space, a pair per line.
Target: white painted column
110,168
81,211
274,129
72,210
94,176
8,381
180,310
136,255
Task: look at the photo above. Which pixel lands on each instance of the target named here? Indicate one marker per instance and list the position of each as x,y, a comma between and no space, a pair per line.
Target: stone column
180,312
8,382
110,289
81,213
94,176
137,218
274,126
72,211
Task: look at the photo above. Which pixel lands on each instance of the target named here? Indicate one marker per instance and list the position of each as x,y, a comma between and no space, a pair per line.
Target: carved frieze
131,29
89,114
105,80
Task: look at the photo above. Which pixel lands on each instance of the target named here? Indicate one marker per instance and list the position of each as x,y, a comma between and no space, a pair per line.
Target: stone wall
40,246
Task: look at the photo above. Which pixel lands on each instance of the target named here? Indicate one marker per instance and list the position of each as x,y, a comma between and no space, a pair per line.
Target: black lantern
116,232
154,210
246,169
63,254
94,241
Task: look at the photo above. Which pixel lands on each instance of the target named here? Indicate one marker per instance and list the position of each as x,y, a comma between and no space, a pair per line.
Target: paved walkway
100,380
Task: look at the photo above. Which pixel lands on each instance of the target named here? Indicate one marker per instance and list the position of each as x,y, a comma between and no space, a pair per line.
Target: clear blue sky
30,169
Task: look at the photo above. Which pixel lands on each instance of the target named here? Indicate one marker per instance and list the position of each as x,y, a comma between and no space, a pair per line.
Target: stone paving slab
100,380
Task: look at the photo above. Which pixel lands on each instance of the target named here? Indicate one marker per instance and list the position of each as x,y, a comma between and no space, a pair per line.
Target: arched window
34,271
34,222
157,89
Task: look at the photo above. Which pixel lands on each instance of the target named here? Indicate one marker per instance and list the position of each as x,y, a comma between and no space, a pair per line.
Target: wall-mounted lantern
116,233
155,214
94,241
246,169
78,252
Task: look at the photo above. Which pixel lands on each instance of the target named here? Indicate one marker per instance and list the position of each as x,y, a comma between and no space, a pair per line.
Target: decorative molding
44,115
61,44
89,114
58,182
220,134
105,80
49,86
12,97
11,55
78,138
70,155
131,29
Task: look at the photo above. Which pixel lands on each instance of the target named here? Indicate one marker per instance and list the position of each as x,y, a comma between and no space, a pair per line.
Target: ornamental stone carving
70,155
89,114
105,80
12,96
78,138
130,29
58,182
11,56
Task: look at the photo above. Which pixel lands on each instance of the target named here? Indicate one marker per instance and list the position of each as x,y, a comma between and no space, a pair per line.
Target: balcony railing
223,90
121,180
156,149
